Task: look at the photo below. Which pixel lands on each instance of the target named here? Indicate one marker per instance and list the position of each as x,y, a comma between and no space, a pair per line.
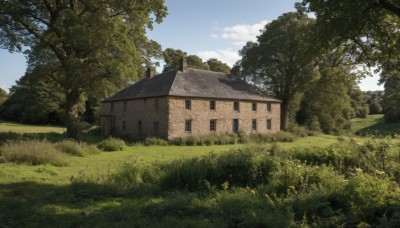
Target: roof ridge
172,84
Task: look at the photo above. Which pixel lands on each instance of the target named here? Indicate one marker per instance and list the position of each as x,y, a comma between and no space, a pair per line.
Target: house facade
189,102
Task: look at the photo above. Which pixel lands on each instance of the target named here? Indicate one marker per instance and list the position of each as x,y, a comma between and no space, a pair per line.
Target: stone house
189,102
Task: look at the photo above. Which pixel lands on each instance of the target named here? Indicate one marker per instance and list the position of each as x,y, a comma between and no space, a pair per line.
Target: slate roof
192,83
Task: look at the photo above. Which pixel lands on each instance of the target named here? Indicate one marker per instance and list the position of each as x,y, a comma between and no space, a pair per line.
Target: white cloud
241,33
227,56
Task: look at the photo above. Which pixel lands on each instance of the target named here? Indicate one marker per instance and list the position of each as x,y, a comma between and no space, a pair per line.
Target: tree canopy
3,95
91,43
282,60
172,57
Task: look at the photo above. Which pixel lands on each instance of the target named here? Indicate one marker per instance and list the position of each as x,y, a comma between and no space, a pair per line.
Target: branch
390,7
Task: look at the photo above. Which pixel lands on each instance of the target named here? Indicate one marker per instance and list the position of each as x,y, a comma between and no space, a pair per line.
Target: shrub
111,144
155,141
32,153
91,149
71,147
179,141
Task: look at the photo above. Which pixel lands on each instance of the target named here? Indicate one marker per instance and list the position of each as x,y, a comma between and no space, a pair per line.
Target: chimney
182,64
150,72
236,72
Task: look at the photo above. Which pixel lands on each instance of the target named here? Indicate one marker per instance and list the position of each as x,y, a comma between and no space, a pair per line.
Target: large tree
3,95
218,66
372,28
92,42
283,61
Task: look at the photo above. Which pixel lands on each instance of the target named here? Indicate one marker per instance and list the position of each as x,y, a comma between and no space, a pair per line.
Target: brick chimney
236,72
182,64
150,72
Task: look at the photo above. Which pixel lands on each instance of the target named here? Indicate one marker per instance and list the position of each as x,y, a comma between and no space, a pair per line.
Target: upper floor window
213,125
236,106
188,125
254,124
254,106
156,105
188,104
269,124
212,105
125,106
269,108
112,107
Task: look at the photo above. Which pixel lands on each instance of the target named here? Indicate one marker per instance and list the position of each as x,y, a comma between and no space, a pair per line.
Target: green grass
374,125
42,195
6,126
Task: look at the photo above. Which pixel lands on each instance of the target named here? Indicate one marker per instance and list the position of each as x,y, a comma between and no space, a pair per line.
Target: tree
93,43
373,30
327,105
173,56
3,95
218,66
283,61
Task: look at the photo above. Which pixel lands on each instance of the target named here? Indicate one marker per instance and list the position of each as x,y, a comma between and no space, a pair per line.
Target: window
125,106
188,104
236,106
123,125
269,124
254,106
156,104
112,107
269,107
156,126
188,125
140,128
213,125
254,124
235,125
212,105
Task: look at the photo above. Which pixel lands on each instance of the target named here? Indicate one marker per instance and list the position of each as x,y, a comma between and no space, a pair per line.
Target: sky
207,28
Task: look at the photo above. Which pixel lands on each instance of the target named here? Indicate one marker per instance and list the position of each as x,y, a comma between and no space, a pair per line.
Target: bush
32,153
155,141
111,144
71,147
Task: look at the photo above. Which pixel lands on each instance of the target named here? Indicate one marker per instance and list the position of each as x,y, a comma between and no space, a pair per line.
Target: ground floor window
254,124
213,125
235,125
188,125
123,125
269,124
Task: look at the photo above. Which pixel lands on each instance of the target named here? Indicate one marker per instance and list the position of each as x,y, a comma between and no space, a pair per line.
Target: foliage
3,96
172,58
75,148
218,66
111,144
88,46
284,66
371,28
332,88
155,141
32,153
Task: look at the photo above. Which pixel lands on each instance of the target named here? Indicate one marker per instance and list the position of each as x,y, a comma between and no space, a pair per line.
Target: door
235,125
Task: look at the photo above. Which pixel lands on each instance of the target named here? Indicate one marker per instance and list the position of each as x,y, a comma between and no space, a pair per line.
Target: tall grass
32,153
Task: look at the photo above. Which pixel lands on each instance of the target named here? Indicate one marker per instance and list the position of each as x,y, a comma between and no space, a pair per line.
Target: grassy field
374,125
6,126
46,195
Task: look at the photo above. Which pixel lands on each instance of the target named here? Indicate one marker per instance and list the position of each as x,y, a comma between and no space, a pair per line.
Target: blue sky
207,28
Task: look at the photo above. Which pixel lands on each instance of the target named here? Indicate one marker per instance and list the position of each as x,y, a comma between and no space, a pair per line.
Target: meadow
315,181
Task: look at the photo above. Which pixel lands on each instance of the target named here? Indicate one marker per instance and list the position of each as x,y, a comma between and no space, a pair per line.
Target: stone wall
143,110
200,114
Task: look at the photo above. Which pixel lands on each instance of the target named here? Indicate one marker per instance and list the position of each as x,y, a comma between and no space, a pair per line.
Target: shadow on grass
380,129
50,136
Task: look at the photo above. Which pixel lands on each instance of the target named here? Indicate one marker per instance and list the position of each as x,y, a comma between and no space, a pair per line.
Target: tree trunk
71,114
284,115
